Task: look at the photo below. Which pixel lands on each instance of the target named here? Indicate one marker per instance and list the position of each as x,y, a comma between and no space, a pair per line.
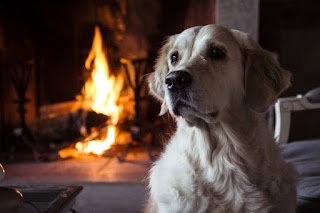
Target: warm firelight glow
101,92
98,146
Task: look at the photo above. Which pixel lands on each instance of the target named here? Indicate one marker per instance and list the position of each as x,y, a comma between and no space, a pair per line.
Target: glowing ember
101,93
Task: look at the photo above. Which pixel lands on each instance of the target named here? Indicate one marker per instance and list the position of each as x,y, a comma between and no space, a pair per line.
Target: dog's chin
193,116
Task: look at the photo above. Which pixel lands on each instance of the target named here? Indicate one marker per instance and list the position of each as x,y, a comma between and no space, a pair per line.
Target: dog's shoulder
174,177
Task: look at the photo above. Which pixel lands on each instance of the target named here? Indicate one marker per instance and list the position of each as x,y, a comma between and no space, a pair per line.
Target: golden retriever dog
218,83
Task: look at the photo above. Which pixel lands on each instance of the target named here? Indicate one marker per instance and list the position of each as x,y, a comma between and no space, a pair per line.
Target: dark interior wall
177,15
200,13
291,29
143,26
52,25
1,84
16,46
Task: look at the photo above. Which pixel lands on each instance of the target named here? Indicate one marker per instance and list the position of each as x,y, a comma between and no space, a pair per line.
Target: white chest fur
198,173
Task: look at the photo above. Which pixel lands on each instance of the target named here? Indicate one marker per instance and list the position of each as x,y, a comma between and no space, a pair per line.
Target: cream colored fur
228,162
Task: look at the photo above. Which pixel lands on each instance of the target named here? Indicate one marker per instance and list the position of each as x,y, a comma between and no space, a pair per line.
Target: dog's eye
216,53
174,58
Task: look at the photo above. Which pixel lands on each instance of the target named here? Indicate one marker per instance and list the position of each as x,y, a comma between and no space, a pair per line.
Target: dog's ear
157,78
264,79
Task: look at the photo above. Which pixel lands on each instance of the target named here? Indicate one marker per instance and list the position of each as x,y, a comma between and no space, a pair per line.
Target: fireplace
43,52
50,50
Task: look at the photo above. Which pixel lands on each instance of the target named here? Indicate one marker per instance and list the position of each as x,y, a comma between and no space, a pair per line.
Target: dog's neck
245,134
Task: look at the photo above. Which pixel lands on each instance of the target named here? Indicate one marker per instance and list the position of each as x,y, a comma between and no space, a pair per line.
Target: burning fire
98,146
101,92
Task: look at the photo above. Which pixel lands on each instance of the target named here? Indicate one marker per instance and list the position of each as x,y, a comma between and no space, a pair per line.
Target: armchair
304,154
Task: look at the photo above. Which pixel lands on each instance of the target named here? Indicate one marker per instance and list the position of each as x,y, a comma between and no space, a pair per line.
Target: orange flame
101,92
98,146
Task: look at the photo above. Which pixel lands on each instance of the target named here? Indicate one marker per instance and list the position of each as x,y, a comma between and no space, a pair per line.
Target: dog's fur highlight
222,157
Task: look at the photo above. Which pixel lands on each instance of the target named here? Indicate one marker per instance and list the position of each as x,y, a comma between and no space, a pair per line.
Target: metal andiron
137,130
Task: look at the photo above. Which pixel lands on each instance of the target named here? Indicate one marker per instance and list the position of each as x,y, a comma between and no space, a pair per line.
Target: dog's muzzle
178,83
178,80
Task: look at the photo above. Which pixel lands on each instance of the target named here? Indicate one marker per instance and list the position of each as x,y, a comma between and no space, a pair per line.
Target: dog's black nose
178,80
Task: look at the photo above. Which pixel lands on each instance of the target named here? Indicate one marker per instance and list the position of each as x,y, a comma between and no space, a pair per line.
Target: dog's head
205,70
